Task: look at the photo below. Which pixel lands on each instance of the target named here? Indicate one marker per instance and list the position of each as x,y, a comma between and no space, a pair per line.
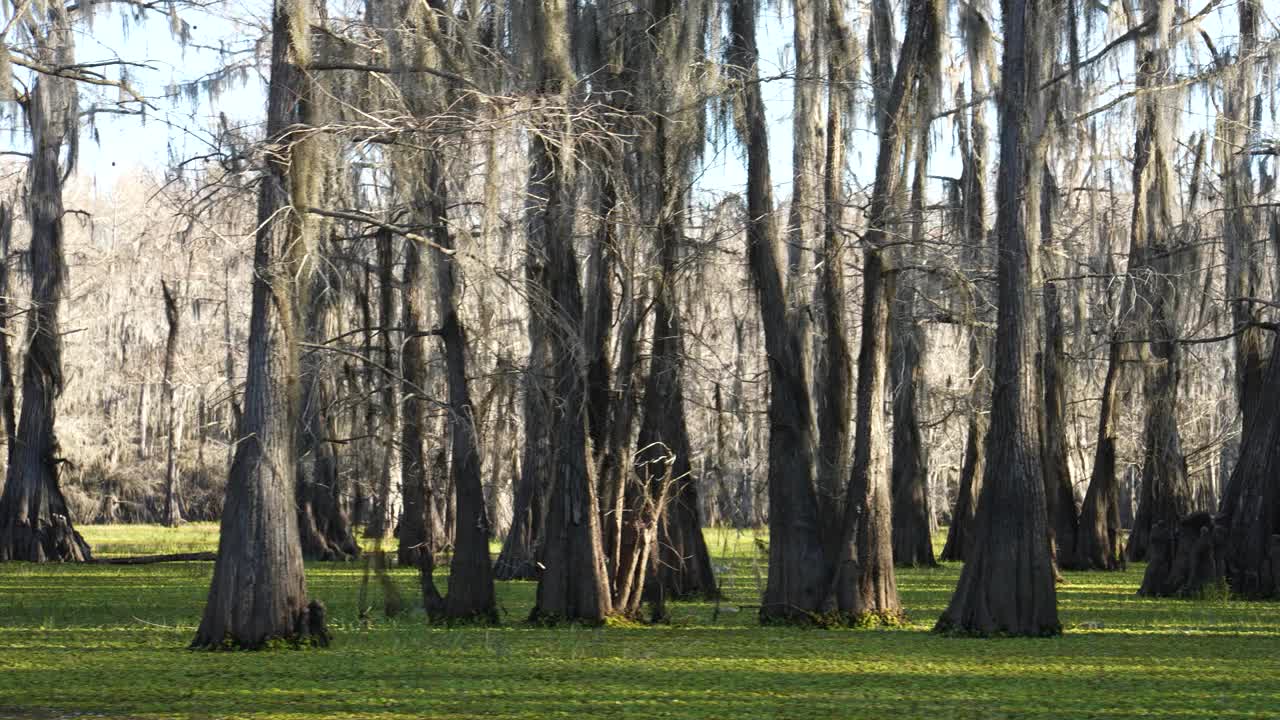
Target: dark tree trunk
865,583
35,524
599,321
912,515
796,589
323,527
259,592
960,533
471,593
1250,511
1237,130
418,542
517,559
835,409
973,141
614,472
1007,584
1098,540
912,541
382,523
572,585
682,563
1060,498
7,391
232,422
172,516
1167,494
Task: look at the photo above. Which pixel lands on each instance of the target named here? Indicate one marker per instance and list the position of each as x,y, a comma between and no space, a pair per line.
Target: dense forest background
474,276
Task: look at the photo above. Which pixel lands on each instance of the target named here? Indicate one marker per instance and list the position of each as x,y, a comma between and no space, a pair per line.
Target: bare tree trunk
232,423
383,523
599,319
865,583
912,540
973,193
259,592
172,511
7,390
573,583
1240,226
1007,584
517,559
682,564
1098,541
798,566
323,527
35,524
417,541
804,219
1167,494
912,517
1060,499
1250,512
614,471
835,409
471,593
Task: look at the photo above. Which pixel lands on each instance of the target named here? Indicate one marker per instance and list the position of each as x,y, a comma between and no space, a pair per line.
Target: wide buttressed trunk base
325,533
35,524
323,527
1188,561
41,539
1241,545
1007,585
258,597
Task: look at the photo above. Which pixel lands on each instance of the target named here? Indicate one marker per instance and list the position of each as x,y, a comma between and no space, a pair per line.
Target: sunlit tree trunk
35,524
572,585
259,593
1007,584
798,564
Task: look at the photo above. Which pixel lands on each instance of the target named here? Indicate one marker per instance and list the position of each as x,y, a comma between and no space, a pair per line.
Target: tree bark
798,565
388,418
323,526
1250,510
1167,493
35,524
865,583
912,515
258,593
7,390
471,591
973,141
418,542
1007,584
517,560
599,320
1098,541
835,409
172,516
573,583
1060,498
1240,222
912,541
682,564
